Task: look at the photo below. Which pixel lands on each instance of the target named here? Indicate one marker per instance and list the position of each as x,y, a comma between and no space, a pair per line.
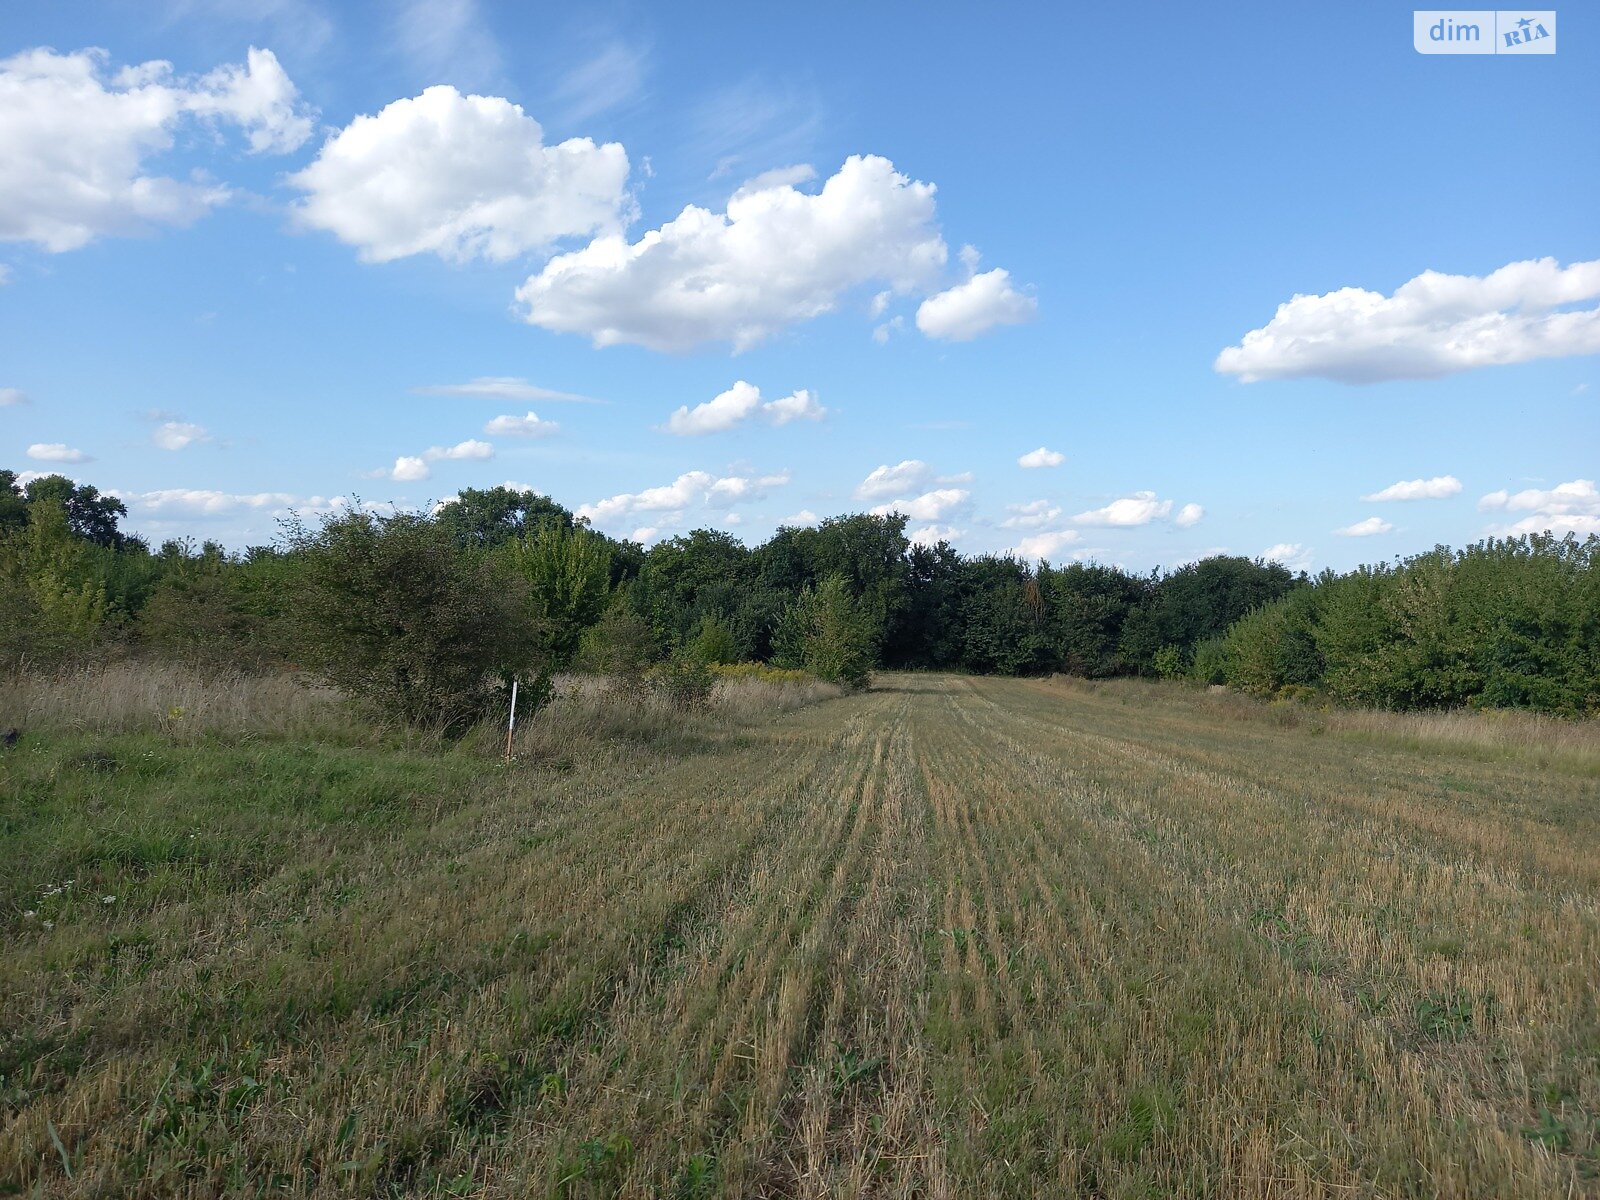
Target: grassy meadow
949,937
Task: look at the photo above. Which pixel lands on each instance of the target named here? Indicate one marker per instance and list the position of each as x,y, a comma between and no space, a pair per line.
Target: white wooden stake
511,724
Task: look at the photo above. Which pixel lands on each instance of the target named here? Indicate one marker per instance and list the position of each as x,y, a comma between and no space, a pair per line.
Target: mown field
951,937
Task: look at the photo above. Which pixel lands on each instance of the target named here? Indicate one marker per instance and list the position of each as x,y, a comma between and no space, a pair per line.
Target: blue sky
226,295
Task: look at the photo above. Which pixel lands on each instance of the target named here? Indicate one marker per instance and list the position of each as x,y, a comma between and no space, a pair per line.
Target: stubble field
947,938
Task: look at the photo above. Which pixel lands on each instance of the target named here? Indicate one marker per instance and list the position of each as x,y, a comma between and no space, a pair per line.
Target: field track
949,938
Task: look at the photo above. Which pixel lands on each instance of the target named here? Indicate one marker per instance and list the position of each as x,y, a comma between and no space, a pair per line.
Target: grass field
950,937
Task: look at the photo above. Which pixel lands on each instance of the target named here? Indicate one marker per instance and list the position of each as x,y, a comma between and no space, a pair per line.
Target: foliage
52,603
684,681
827,632
1511,622
393,611
1197,602
567,573
213,608
1508,623
713,641
488,517
620,644
89,515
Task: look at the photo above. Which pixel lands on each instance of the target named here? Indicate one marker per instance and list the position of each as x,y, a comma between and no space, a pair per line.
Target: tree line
427,614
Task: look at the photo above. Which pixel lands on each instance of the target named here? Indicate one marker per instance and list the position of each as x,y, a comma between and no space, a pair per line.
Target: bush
53,604
618,646
391,610
1512,622
713,642
684,682
1167,662
827,632
1210,663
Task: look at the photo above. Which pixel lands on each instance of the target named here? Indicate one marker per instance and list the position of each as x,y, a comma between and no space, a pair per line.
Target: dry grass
125,697
949,938
1530,736
1490,733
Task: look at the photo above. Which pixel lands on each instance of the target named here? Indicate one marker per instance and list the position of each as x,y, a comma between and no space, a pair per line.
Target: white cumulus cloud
691,490
1366,528
1433,325
462,177
529,426
796,406
1138,509
1188,515
777,256
932,535
1044,545
1030,515
409,468
469,449
973,308
176,435
56,452
930,506
738,404
1035,459
898,479
1567,507
200,502
1290,554
75,138
1437,488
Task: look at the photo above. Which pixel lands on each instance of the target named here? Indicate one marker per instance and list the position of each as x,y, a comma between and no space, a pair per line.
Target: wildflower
29,915
108,899
49,924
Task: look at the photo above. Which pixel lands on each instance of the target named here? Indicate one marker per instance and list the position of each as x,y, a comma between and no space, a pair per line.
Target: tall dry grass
1488,734
186,701
1542,739
133,696
590,709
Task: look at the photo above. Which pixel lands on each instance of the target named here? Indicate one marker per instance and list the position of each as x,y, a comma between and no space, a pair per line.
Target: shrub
391,610
1167,662
684,682
713,642
53,605
1210,663
827,632
1507,622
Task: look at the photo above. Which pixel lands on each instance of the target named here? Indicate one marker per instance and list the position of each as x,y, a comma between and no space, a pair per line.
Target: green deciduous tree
828,632
567,573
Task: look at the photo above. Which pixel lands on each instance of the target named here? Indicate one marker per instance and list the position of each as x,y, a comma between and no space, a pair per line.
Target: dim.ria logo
1484,31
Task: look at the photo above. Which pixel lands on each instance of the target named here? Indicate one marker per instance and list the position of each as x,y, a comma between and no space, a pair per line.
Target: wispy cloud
447,41
608,79
502,387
